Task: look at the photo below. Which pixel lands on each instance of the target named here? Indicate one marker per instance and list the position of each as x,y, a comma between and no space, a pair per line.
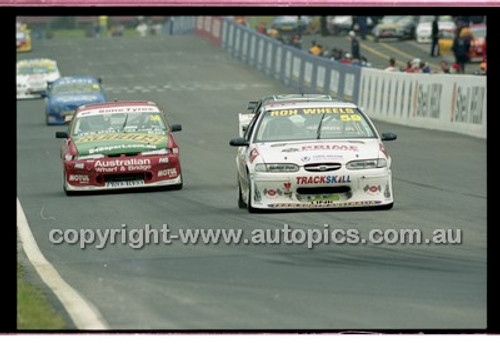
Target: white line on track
83,313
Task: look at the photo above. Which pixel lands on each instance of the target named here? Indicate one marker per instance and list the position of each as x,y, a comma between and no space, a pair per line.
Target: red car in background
477,52
119,145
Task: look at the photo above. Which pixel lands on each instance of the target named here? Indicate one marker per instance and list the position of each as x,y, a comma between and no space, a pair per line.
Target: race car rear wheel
66,191
179,185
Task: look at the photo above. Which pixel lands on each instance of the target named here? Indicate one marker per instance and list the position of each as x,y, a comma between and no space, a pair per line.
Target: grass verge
34,312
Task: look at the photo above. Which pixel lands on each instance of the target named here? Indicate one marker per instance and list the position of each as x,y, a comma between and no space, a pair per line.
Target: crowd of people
460,49
353,56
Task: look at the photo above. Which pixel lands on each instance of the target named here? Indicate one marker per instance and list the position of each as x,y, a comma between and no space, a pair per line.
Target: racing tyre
250,208
67,192
386,207
241,202
178,186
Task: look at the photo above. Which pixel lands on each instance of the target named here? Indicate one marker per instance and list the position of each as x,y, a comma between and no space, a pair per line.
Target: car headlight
156,152
277,167
367,164
86,157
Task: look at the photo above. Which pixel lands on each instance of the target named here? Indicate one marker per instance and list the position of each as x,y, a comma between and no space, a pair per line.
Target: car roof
36,61
114,104
311,104
76,78
286,98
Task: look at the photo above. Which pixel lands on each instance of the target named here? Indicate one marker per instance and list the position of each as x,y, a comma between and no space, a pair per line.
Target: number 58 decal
350,117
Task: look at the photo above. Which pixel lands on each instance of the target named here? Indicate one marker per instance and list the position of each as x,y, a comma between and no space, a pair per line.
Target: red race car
120,145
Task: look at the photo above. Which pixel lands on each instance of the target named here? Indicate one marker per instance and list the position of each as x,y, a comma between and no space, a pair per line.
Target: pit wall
454,103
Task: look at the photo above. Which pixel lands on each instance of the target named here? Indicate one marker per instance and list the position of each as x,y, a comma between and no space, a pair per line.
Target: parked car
477,34
337,25
424,27
399,27
290,24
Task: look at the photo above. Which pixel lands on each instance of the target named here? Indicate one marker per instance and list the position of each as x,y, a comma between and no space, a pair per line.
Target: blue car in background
67,93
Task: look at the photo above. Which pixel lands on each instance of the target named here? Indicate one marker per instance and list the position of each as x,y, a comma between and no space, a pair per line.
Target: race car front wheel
250,208
241,202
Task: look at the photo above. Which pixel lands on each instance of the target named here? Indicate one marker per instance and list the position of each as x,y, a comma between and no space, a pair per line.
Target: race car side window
251,125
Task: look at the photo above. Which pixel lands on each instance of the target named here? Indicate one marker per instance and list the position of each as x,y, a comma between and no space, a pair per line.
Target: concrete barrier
454,103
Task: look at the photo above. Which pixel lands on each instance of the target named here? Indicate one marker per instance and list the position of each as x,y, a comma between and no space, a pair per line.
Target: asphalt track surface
439,182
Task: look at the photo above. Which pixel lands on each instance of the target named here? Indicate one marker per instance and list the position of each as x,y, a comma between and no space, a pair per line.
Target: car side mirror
176,128
61,135
251,106
388,136
238,142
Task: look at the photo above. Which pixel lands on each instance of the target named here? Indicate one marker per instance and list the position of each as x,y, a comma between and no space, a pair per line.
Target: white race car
311,153
32,76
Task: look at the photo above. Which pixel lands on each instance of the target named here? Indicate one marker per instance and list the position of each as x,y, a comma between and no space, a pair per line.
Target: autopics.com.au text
137,238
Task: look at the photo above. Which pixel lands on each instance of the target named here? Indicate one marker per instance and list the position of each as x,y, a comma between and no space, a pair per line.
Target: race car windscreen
35,69
313,124
136,122
65,88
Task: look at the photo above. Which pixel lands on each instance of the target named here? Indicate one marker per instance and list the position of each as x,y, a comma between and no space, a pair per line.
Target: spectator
455,68
261,28
483,66
315,49
435,37
142,28
484,49
408,67
460,48
355,51
392,66
364,62
445,68
347,58
296,41
362,22
424,67
273,33
413,66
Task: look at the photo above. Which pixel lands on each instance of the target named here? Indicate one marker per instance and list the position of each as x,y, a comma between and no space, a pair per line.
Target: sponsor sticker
253,154
333,147
326,205
326,179
121,184
78,178
146,138
372,189
170,173
272,192
316,111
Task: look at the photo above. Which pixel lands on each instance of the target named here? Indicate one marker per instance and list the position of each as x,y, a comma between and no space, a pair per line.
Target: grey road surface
439,182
